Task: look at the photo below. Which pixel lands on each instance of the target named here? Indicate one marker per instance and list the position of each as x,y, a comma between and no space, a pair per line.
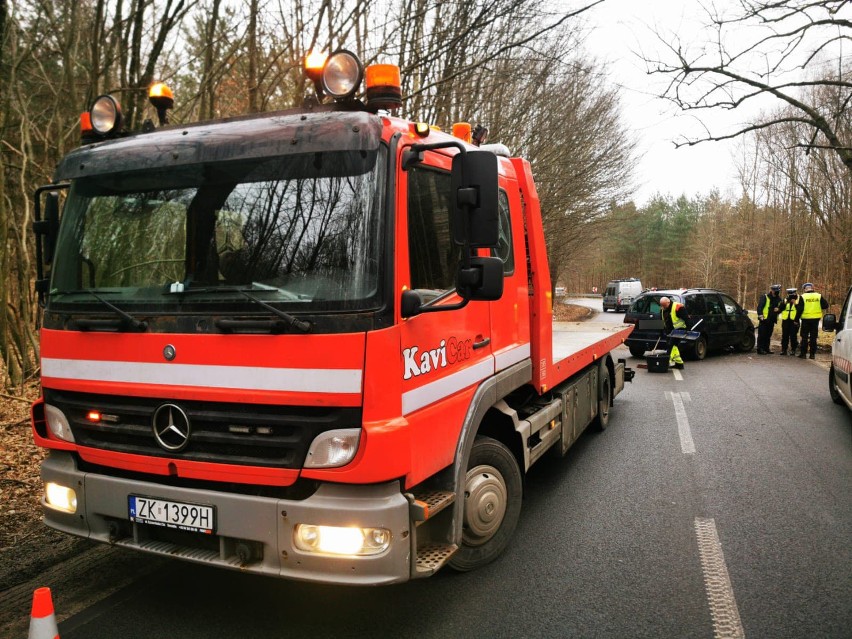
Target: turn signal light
461,130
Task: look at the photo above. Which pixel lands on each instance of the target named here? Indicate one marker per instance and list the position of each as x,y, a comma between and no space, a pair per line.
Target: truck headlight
339,540
60,497
58,424
333,448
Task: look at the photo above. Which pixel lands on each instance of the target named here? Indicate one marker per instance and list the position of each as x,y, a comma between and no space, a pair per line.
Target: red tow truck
316,344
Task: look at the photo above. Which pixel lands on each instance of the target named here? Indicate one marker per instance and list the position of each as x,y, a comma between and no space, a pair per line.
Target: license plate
172,514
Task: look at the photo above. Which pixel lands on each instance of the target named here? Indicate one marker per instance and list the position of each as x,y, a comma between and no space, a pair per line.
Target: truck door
444,355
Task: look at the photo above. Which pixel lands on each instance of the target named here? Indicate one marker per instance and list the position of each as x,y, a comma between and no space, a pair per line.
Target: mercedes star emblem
171,427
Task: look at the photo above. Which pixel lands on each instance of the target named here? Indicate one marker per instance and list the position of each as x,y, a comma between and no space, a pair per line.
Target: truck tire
492,504
604,399
832,387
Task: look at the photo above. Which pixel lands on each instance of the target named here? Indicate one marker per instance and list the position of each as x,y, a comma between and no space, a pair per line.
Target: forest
518,67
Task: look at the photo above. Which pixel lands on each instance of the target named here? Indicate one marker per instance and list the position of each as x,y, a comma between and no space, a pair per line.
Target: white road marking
717,583
677,375
686,443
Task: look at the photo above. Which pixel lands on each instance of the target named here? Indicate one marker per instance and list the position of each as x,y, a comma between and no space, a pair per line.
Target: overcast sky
619,28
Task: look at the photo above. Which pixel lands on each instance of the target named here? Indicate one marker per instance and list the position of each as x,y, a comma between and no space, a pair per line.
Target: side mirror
482,280
48,228
474,199
829,322
410,304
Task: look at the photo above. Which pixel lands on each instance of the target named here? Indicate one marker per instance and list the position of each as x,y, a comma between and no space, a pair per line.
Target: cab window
433,257
504,249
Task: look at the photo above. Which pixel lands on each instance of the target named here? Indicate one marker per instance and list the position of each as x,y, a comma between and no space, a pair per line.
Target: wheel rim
701,348
484,504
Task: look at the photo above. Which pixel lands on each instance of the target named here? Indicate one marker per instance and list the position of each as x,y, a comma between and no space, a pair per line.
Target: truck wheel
492,504
832,387
604,398
637,351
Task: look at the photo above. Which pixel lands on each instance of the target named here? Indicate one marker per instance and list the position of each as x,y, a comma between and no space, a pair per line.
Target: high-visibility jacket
769,302
812,308
677,322
789,311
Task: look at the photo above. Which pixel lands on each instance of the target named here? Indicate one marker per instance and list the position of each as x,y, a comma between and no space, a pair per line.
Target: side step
431,555
429,504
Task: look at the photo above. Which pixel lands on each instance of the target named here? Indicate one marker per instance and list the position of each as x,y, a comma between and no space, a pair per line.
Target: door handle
481,343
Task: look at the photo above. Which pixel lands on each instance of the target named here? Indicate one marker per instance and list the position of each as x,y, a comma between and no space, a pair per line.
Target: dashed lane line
717,583
686,443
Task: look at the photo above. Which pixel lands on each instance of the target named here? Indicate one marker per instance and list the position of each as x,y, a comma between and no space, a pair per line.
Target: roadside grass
824,338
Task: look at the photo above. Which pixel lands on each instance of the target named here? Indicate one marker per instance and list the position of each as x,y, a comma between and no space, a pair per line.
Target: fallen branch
17,399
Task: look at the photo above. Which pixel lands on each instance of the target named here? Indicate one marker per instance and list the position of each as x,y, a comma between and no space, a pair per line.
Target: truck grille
227,433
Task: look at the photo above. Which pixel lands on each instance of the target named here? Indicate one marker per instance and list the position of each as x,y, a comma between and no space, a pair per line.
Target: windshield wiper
229,324
126,322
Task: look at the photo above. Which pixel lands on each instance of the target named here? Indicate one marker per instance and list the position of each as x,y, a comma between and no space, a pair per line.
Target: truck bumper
263,526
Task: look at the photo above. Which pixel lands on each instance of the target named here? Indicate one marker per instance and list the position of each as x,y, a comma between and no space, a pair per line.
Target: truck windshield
305,231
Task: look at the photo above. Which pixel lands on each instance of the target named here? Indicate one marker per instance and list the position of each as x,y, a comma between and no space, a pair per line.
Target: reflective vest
789,312
767,305
813,308
676,321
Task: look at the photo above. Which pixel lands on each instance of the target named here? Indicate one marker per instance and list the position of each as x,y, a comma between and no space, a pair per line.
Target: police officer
790,322
675,316
768,307
811,308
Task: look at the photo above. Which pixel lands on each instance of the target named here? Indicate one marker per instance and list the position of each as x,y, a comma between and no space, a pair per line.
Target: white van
839,384
619,294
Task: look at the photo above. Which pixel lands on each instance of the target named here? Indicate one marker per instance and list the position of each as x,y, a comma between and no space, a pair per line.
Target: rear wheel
699,348
637,351
604,399
747,342
832,387
492,504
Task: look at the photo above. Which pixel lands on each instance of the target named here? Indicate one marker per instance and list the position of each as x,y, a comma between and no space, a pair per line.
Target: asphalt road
723,492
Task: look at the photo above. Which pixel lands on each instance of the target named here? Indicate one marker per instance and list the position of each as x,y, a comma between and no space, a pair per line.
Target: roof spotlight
342,74
105,115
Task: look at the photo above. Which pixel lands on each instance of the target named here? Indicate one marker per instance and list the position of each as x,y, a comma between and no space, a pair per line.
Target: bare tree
793,46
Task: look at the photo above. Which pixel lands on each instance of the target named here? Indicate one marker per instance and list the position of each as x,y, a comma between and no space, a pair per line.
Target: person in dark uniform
675,316
768,307
790,323
811,306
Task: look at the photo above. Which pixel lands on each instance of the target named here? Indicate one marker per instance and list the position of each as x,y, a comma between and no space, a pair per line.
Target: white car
841,353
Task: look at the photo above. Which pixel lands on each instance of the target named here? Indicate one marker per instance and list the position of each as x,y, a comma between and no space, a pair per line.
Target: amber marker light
314,62
162,99
93,416
384,87
421,128
461,130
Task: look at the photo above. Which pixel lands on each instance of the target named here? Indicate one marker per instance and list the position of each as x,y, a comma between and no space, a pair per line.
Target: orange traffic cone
42,619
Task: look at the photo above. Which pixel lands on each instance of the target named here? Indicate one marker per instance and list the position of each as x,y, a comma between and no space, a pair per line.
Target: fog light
338,540
60,497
